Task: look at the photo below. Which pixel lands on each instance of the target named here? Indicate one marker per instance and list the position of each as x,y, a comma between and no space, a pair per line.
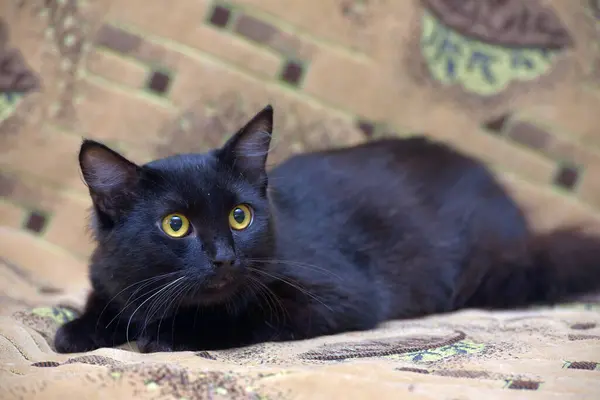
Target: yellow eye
240,217
175,225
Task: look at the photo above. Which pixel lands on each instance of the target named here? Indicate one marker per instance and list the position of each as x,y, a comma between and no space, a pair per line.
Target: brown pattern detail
36,222
584,337
205,354
587,365
93,360
468,374
117,39
366,127
49,290
524,385
262,32
159,82
16,78
481,107
584,325
292,73
172,381
15,75
45,364
137,47
220,16
567,176
497,124
555,147
415,370
379,347
510,23
255,29
529,135
459,373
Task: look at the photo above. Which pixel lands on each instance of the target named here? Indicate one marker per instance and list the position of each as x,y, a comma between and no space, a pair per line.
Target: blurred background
514,82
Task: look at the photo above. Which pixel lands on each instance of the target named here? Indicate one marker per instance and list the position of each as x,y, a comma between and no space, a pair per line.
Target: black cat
208,251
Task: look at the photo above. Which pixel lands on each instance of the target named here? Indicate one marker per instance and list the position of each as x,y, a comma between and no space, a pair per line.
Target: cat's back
386,188
402,167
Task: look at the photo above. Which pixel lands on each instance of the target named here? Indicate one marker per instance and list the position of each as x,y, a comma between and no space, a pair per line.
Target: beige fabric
544,353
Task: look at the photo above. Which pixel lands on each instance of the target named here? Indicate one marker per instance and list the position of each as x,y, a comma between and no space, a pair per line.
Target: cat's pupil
239,215
176,223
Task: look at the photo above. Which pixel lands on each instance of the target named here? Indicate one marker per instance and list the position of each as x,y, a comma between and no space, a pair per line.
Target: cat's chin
213,294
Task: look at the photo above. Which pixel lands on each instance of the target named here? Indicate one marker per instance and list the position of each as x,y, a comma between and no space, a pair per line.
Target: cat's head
197,222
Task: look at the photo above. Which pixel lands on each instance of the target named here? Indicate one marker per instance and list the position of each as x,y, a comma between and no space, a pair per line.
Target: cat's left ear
110,177
247,150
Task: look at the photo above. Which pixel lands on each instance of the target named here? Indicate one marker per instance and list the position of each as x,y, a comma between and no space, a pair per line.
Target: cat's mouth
220,283
217,285
218,289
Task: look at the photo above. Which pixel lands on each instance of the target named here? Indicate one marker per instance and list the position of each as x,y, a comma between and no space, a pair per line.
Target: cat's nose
223,259
223,255
223,262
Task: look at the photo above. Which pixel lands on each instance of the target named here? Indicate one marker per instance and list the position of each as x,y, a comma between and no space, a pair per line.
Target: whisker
268,294
152,279
160,300
168,285
155,305
182,295
279,323
130,301
176,291
258,292
300,288
296,264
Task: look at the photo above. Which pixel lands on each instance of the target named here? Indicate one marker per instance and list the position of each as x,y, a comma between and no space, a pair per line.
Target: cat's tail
564,265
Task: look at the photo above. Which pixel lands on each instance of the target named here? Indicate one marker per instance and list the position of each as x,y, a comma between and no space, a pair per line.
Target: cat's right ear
110,177
247,150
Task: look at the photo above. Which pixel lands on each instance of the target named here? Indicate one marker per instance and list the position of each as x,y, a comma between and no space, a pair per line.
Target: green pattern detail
221,390
58,314
116,375
463,347
480,68
151,385
8,103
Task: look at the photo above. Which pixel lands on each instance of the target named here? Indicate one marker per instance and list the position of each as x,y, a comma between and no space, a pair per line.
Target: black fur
341,240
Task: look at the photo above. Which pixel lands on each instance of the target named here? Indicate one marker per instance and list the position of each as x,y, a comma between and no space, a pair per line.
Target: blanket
537,353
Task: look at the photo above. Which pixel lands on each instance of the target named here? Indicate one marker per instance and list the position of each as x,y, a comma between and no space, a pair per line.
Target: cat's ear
110,177
247,150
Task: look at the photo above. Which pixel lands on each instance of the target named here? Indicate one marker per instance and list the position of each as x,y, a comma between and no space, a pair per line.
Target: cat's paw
74,337
148,344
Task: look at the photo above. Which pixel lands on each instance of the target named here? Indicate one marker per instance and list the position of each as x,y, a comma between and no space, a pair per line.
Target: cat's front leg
163,336
187,331
151,344
96,327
